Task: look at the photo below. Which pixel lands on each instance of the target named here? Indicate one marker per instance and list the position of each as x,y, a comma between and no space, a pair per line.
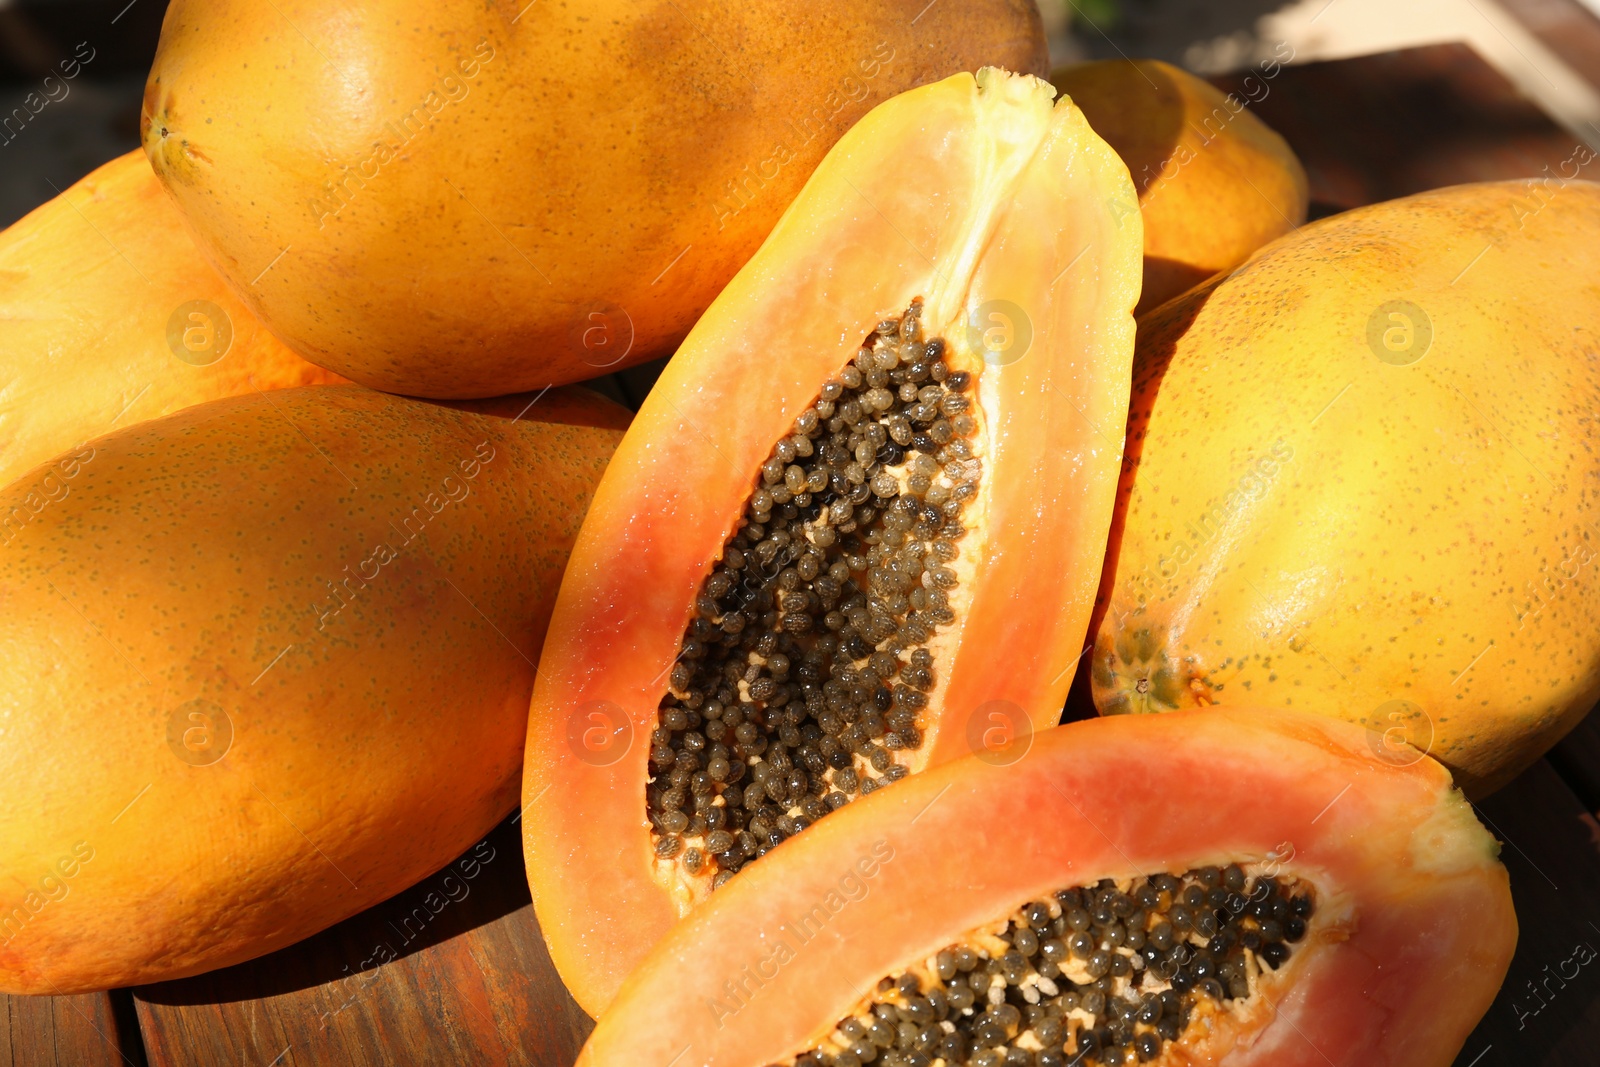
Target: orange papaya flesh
951,220
1215,182
263,669
109,316
1394,913
1292,424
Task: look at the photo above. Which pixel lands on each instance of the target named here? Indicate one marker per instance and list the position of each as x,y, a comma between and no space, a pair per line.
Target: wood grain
453,970
1548,1011
1577,760
91,1030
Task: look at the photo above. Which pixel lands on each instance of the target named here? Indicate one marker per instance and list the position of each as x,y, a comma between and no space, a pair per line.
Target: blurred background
52,133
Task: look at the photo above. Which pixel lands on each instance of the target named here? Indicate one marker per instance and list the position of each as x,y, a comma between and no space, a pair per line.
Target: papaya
1231,887
263,667
502,196
835,484
109,315
1356,481
1215,182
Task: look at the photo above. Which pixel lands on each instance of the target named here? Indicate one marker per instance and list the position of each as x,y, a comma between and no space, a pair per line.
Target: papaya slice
262,667
1215,182
1235,887
894,428
109,316
1457,329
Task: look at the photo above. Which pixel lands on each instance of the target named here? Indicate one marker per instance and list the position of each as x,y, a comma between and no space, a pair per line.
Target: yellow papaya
463,198
265,662
1358,476
109,316
1215,182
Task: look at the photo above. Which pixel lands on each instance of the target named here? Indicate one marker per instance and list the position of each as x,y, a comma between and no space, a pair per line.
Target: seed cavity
802,679
1112,974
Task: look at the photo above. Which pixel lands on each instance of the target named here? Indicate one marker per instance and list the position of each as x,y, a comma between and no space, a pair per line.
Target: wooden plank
90,1030
1378,127
453,970
1548,1011
1567,28
1577,760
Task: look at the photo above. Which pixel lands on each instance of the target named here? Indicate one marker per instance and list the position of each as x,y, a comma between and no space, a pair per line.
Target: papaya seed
1011,994
829,589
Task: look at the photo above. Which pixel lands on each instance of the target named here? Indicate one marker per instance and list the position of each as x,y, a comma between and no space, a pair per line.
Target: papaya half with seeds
855,528
1234,887
262,668
1358,479
1215,182
109,316
464,198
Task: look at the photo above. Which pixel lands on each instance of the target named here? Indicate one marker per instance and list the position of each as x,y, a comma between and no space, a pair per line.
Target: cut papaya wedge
897,426
1229,887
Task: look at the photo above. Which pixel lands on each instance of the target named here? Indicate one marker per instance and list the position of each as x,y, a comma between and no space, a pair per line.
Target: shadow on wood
452,970
482,885
1548,1012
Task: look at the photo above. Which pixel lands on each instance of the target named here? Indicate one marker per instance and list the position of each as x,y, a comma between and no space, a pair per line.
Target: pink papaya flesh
1291,895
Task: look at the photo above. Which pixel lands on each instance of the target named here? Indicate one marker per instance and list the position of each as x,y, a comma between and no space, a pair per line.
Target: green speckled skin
1324,508
347,744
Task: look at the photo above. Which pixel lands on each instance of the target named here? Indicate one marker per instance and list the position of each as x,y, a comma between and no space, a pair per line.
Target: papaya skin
993,193
1399,541
544,192
192,560
1215,182
88,285
1426,927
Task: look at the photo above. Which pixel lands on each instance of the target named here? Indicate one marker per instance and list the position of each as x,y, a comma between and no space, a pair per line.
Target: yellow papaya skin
1215,182
1360,479
109,316
468,198
261,667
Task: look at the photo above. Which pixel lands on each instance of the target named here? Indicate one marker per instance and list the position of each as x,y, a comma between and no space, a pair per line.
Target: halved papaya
109,316
1235,887
262,667
896,427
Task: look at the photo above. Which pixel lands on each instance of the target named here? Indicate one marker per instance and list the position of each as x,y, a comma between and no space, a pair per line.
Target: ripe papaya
836,480
109,315
500,196
1356,481
1215,182
262,667
1234,887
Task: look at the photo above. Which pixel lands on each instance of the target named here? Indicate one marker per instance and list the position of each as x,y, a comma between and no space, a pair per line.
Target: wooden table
476,985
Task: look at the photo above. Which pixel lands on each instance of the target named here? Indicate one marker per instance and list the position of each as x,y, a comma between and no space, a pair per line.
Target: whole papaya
109,316
264,663
1215,182
466,199
1358,479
